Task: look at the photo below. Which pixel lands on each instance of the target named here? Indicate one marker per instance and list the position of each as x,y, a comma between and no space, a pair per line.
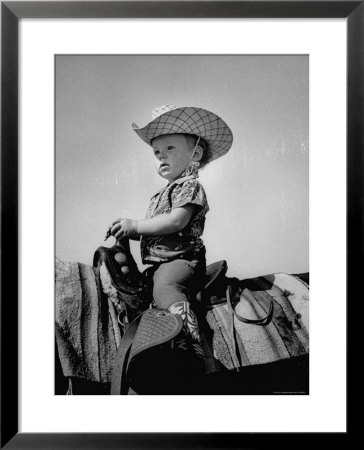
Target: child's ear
198,153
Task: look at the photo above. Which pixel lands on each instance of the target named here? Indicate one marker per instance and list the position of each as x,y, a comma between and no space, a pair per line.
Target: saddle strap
236,341
119,384
263,321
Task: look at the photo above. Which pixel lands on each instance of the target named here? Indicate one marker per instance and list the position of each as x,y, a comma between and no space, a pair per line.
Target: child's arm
168,223
172,222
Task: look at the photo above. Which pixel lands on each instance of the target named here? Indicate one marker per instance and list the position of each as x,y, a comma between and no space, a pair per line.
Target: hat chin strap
192,166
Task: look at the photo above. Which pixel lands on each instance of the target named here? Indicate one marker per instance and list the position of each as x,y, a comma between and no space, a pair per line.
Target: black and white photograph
181,219
182,224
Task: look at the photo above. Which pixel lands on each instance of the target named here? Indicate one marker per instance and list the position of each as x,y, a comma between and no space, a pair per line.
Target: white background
324,408
257,193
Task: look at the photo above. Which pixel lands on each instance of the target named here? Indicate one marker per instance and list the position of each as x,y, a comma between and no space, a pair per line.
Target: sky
258,193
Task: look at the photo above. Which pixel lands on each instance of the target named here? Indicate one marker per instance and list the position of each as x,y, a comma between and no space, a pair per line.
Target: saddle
133,288
150,333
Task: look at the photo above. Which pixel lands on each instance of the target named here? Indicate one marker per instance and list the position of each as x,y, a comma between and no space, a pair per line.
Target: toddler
183,140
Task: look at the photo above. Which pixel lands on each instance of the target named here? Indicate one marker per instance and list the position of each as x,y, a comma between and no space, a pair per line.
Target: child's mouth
163,165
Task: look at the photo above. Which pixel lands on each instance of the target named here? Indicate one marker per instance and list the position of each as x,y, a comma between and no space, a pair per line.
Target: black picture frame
11,12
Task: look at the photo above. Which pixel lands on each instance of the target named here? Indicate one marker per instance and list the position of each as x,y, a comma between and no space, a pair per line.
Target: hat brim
190,120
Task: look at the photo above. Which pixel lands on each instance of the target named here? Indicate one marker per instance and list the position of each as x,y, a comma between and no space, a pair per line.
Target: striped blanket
87,332
285,336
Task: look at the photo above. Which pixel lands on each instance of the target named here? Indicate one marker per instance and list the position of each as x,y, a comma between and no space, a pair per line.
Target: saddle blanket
88,334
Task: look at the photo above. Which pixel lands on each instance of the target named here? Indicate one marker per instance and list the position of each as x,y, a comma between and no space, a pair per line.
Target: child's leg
175,284
176,281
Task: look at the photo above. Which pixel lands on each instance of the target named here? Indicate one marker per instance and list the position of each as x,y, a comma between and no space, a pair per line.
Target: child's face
173,153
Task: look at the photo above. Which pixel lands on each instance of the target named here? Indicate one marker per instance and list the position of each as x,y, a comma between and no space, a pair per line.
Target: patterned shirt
186,243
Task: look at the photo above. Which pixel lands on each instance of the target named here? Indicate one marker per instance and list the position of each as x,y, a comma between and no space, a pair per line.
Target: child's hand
122,228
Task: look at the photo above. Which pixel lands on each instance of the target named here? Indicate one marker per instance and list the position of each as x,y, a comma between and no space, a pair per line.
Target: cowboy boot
189,341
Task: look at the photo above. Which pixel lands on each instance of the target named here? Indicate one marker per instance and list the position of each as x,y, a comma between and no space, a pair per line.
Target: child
183,140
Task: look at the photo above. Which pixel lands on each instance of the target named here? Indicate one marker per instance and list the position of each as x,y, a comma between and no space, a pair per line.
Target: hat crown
159,110
169,119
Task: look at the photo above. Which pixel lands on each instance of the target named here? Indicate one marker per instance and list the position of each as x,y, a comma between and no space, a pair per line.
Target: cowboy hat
168,119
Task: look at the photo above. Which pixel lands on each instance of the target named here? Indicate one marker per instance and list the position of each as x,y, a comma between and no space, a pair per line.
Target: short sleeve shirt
187,243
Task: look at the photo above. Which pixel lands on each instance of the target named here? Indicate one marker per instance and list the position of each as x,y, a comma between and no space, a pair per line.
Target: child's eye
170,147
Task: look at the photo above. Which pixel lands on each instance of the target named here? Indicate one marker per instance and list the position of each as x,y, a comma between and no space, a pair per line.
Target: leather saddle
135,288
146,330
